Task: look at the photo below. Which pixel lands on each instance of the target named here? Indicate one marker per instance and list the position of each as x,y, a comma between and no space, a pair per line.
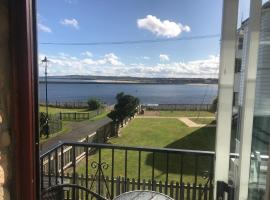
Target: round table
142,195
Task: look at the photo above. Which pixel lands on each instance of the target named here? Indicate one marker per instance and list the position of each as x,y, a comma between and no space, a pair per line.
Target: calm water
148,93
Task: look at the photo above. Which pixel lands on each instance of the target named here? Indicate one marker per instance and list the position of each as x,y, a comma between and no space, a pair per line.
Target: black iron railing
110,170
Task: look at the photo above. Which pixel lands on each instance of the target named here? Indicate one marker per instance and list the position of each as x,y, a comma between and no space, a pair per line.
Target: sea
147,93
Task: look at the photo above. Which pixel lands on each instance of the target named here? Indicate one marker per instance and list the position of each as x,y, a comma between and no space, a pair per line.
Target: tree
125,107
214,105
94,104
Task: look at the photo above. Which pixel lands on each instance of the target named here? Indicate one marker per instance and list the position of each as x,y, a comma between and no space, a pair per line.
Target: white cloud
145,57
110,65
40,24
164,57
112,59
44,28
70,22
166,28
87,53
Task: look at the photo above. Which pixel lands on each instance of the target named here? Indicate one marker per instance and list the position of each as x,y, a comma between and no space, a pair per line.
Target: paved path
78,131
185,120
192,124
168,117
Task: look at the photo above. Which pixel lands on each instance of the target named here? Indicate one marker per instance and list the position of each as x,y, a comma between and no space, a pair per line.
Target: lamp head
45,60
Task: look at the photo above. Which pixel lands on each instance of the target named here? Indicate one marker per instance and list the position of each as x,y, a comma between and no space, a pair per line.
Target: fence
71,116
68,104
112,170
176,190
55,124
180,107
100,136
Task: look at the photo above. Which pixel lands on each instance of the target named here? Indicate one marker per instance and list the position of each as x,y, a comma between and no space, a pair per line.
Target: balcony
109,170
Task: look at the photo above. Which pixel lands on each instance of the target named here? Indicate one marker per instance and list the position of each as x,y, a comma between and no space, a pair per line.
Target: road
78,131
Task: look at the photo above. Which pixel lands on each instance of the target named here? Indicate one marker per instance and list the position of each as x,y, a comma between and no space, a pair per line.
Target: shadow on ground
202,139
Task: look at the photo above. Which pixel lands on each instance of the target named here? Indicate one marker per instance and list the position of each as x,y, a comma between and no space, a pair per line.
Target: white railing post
225,93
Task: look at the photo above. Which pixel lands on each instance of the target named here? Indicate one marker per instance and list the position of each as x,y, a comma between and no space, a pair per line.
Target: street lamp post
45,60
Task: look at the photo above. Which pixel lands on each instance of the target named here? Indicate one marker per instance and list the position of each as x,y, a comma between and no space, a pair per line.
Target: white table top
143,195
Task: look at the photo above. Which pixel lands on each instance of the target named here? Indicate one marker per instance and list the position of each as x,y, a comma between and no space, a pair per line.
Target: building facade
258,181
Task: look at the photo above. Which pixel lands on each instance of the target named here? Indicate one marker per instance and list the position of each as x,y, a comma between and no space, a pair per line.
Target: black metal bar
62,164
220,190
86,171
112,176
181,169
139,170
130,148
153,170
168,152
125,171
86,168
196,169
74,169
211,170
41,173
167,173
223,188
99,171
74,163
56,166
49,168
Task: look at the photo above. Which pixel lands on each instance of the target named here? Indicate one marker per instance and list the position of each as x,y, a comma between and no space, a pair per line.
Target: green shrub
94,104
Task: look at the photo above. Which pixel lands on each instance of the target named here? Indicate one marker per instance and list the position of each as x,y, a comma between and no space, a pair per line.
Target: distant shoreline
123,82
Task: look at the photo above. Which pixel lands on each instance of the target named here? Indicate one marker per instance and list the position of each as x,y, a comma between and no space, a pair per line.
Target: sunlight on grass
168,133
100,116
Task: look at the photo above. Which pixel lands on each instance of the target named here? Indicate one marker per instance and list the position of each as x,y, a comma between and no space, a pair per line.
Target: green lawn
186,114
168,133
53,110
100,116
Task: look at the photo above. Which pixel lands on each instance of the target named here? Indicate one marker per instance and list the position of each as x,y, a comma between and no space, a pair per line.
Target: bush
94,104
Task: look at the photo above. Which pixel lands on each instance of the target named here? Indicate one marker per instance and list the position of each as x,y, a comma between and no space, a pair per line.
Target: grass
186,114
100,116
168,133
203,120
53,110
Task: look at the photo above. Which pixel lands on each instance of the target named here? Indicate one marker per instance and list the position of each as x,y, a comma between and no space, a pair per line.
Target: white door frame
225,93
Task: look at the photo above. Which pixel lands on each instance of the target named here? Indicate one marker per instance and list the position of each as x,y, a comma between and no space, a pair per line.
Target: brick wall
5,140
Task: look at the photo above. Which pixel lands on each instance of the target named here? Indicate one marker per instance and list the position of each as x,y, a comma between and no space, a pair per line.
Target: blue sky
126,20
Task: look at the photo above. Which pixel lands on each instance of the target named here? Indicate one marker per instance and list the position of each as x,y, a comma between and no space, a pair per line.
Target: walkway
185,120
78,131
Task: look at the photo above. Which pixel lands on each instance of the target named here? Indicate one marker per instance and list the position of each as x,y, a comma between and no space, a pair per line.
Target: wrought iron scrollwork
99,166
99,175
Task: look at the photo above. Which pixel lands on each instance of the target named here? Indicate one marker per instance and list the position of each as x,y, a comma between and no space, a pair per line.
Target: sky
101,21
